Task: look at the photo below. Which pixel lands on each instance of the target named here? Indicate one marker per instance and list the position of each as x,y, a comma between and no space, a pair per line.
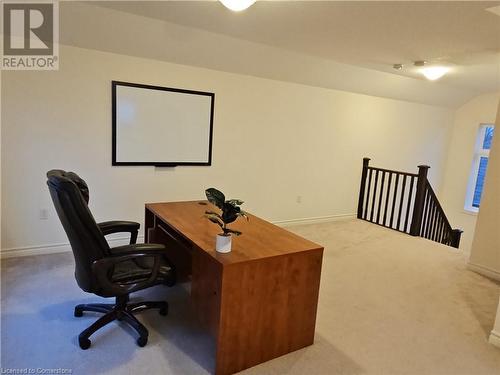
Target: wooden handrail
411,207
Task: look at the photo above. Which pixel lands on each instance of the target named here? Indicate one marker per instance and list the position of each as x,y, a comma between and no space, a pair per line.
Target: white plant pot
223,243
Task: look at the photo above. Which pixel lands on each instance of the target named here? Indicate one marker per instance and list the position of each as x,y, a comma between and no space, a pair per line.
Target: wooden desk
260,300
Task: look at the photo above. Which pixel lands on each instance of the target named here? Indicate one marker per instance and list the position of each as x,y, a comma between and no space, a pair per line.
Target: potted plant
230,211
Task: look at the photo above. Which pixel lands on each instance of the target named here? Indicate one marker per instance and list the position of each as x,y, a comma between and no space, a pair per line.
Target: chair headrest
58,178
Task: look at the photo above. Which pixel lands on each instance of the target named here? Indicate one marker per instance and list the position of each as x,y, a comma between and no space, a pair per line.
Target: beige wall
485,251
273,141
480,110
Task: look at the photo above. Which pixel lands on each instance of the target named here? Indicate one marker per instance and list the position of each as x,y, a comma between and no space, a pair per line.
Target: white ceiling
368,34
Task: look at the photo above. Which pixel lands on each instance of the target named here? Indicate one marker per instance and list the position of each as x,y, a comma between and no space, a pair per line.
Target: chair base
122,311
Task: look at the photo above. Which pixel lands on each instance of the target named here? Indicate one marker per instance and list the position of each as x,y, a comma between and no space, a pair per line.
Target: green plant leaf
235,202
235,232
214,214
215,197
214,219
243,214
229,213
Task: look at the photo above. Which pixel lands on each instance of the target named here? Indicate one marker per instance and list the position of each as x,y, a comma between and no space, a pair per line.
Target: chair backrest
70,195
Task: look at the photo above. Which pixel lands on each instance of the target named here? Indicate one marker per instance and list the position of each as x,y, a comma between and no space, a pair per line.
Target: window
479,166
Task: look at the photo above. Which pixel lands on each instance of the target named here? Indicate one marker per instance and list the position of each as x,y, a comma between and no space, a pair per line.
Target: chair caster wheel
142,341
84,343
163,311
78,313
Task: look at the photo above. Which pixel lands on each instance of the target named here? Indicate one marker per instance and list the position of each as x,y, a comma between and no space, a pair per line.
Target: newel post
418,207
364,172
455,237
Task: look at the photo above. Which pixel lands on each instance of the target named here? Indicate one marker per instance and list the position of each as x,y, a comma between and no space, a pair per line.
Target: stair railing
404,202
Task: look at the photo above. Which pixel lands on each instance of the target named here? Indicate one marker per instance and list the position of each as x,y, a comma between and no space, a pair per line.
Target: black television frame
114,162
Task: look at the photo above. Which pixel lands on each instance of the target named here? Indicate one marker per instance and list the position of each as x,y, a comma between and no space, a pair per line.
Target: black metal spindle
403,188
410,195
380,197
374,195
443,232
440,229
365,215
394,200
434,223
424,214
364,172
421,229
429,217
387,198
432,220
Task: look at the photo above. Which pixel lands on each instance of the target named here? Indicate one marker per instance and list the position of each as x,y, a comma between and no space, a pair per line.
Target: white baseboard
494,338
486,271
56,248
313,220
118,241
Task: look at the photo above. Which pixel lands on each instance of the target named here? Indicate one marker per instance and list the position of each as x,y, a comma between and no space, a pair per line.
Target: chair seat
133,271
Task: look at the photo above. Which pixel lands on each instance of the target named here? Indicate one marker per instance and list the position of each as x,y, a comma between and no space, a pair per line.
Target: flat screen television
161,126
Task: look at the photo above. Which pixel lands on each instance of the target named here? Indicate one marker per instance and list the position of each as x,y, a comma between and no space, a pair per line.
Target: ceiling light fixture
494,10
237,5
433,72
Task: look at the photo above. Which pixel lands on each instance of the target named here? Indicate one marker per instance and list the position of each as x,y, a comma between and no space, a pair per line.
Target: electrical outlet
299,199
43,214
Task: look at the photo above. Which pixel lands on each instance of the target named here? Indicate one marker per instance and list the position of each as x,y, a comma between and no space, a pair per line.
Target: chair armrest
142,248
109,227
151,249
103,267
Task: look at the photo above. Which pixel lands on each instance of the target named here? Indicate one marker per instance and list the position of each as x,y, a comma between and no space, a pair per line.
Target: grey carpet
389,304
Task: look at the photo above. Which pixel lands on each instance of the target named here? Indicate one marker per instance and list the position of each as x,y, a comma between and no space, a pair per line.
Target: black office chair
99,269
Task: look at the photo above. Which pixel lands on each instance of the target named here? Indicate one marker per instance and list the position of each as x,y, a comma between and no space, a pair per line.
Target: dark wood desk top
260,239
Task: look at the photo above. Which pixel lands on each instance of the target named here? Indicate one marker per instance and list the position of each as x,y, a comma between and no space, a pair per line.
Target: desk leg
206,290
267,309
149,225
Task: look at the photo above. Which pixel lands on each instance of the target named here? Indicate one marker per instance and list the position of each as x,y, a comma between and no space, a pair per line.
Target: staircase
404,202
